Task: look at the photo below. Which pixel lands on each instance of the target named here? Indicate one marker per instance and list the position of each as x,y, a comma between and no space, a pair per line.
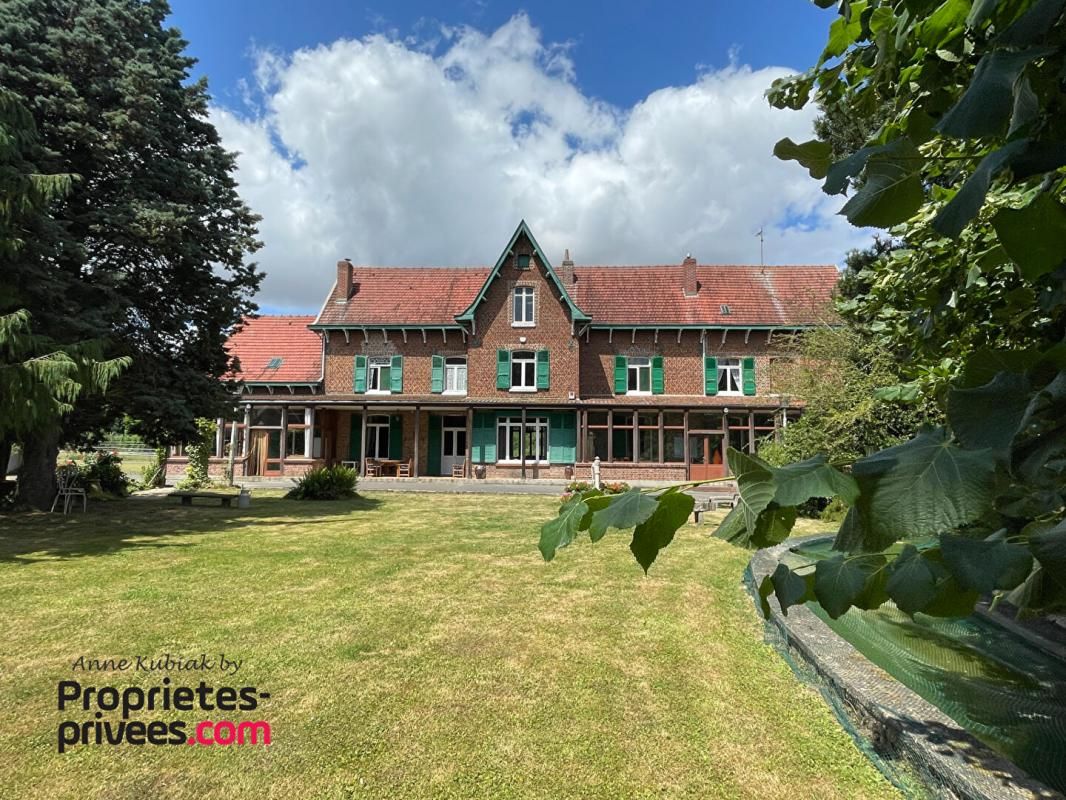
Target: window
648,436
673,436
266,417
730,380
523,371
295,432
379,375
510,445
523,261
455,375
622,435
523,306
377,436
639,375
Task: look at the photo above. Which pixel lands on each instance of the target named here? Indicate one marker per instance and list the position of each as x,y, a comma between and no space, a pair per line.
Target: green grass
414,646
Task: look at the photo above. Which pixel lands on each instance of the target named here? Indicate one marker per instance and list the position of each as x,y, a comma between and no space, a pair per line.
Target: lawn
413,646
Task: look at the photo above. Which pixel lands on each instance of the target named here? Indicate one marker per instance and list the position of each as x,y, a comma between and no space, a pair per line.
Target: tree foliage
146,252
968,169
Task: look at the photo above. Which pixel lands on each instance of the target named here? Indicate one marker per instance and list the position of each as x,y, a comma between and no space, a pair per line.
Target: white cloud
383,152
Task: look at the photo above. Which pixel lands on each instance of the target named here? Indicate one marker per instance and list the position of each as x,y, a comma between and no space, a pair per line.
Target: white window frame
528,307
374,424
374,367
537,425
528,368
732,371
455,375
635,365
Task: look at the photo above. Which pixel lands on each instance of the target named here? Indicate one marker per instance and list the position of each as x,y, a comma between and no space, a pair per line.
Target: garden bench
187,497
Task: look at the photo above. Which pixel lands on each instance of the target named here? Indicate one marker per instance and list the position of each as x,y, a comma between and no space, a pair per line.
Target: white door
452,449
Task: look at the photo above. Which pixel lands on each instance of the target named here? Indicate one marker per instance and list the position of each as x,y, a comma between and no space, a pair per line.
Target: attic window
523,261
725,310
274,363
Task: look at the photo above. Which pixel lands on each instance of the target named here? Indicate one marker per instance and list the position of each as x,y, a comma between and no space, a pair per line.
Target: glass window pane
705,421
738,420
623,444
596,444
674,444
649,445
674,418
623,419
764,420
597,418
648,418
295,416
268,417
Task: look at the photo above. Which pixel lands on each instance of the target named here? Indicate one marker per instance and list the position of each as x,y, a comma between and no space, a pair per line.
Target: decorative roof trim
576,314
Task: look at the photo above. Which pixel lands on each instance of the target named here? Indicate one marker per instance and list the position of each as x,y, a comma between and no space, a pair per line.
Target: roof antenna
762,262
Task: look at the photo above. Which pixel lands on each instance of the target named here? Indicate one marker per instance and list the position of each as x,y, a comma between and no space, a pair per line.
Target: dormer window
725,310
523,307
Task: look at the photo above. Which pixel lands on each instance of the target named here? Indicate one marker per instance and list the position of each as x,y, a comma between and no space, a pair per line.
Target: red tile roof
635,295
776,295
405,296
261,340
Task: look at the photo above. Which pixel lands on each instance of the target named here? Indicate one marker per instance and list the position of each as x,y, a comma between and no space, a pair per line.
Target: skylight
274,363
725,309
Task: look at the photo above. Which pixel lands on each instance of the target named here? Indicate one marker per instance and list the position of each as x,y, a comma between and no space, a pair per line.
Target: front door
452,448
257,452
705,460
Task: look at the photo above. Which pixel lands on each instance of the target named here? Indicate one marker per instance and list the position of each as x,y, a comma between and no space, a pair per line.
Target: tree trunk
5,456
37,478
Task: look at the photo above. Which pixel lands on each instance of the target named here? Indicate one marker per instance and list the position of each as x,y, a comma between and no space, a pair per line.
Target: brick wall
682,361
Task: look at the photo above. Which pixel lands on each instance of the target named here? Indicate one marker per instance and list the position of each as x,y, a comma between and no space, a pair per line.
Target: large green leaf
791,589
843,32
814,155
985,107
1034,236
917,489
891,192
839,580
912,582
626,510
1049,547
1034,25
968,200
985,564
559,532
773,525
1004,399
755,481
732,529
655,533
839,173
799,482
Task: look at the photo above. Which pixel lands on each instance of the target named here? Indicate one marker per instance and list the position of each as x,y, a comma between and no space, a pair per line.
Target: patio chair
459,470
373,469
66,481
403,469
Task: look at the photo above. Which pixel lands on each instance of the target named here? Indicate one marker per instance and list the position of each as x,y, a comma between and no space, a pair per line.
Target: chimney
691,287
566,272
344,280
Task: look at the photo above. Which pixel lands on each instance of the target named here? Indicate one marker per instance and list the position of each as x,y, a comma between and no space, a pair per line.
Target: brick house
523,369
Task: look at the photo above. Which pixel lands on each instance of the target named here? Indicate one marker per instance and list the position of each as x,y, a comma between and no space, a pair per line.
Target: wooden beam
347,336
418,431
362,445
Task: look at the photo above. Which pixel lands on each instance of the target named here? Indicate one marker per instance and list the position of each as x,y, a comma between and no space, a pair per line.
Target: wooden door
705,458
257,452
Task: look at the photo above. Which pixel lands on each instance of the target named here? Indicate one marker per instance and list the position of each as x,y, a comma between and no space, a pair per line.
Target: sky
422,132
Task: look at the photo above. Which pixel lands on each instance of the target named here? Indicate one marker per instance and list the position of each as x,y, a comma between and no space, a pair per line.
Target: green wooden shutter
484,438
562,437
710,375
359,380
434,444
436,380
542,369
657,384
355,436
747,370
396,375
620,377
396,437
503,369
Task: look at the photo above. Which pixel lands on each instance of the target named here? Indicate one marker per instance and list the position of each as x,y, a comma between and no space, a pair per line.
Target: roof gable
576,314
276,349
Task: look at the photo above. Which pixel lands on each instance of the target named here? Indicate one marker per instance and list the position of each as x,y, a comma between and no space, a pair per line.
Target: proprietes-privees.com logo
113,715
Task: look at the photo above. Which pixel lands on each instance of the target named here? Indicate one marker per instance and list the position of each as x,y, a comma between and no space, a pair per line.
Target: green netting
1008,693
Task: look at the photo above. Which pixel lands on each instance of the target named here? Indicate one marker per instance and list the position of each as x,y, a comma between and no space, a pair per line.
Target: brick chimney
566,272
344,280
691,287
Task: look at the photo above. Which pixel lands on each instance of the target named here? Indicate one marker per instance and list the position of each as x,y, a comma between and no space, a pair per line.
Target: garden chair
66,480
403,470
459,470
373,469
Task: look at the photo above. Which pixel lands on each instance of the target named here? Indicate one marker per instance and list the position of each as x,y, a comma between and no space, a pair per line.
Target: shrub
324,483
576,487
105,469
153,474
199,453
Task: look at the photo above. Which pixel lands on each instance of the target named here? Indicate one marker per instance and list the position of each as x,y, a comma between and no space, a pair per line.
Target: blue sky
622,50
421,133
